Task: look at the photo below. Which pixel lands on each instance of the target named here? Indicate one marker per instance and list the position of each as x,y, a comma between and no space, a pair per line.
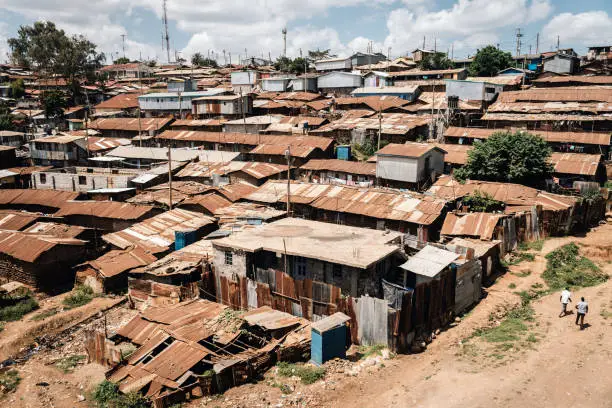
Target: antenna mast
284,41
166,36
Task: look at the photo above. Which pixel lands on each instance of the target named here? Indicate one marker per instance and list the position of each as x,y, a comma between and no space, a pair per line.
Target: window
489,89
82,180
43,178
300,267
337,271
229,258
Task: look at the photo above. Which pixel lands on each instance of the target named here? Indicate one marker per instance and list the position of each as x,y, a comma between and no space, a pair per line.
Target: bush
9,381
482,202
45,314
68,364
80,295
565,267
307,374
18,310
107,395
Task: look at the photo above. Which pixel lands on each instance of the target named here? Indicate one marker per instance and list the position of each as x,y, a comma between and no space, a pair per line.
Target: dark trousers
580,316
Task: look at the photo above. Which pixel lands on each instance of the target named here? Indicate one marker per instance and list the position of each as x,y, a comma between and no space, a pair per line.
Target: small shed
426,265
330,338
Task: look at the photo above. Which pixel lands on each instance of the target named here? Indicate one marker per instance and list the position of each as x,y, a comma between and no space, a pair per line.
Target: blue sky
344,26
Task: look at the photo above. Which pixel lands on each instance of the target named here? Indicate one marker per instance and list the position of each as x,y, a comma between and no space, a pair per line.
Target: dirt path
19,334
563,366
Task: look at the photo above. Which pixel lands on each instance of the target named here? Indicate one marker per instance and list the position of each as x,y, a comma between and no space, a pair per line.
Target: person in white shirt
565,298
583,309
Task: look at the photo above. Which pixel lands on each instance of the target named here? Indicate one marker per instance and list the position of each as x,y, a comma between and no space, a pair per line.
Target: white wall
339,80
397,168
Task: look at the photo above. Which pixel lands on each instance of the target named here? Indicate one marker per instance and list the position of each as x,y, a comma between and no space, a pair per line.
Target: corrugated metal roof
392,123
480,225
121,101
156,234
455,153
179,262
330,322
558,94
551,107
246,139
29,247
211,202
290,96
14,220
97,144
29,170
198,122
61,139
376,103
116,262
408,149
499,80
130,124
280,150
55,230
344,166
545,117
596,138
270,319
256,120
576,163
105,209
578,79
430,261
46,198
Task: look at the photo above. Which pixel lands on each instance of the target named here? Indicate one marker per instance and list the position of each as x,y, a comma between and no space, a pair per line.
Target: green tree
314,55
199,60
122,60
6,121
489,61
49,51
295,66
437,60
53,104
17,88
508,157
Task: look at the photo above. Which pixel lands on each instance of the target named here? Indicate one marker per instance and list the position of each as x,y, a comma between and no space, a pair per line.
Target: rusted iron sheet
480,225
45,198
576,163
344,166
105,209
593,138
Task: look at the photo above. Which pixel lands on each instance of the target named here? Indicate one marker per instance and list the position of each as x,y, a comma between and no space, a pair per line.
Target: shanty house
333,64
105,216
10,138
361,257
480,91
252,124
8,157
407,93
83,179
222,105
276,84
414,164
161,103
333,171
130,127
561,63
339,83
304,83
570,167
58,151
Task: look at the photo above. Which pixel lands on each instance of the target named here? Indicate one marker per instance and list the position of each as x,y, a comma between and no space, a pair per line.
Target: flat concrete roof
340,244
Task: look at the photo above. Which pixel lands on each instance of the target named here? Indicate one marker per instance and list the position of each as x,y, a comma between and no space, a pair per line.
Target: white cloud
589,28
463,23
4,49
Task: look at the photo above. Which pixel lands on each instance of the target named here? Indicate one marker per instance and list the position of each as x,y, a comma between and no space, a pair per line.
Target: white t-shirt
582,307
565,295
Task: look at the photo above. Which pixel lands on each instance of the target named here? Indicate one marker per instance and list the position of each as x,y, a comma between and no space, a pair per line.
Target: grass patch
534,245
107,395
512,286
307,374
19,309
80,295
68,364
9,381
509,330
565,267
518,257
367,351
47,313
532,338
605,314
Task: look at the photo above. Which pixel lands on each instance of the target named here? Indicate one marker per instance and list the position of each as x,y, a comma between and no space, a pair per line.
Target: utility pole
519,35
379,126
537,43
139,122
284,31
557,43
452,51
123,43
288,156
435,44
423,42
166,36
170,174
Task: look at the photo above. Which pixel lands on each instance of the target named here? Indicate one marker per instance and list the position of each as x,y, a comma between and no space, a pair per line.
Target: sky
253,27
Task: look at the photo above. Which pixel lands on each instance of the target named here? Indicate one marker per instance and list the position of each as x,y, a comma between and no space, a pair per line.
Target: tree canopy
489,60
438,60
509,157
314,55
17,88
294,66
199,60
6,122
122,60
53,104
49,51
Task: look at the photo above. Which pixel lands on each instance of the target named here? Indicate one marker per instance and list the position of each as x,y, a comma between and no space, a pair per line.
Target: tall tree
518,157
122,60
6,121
17,88
53,104
437,60
314,55
50,52
489,60
199,60
294,66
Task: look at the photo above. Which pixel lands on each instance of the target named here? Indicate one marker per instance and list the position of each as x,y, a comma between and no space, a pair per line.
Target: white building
467,90
244,81
411,163
173,102
340,83
222,105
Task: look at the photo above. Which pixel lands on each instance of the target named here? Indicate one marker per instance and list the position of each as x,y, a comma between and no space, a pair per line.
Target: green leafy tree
295,66
17,88
49,51
199,60
6,121
122,60
53,104
508,157
314,55
489,60
437,60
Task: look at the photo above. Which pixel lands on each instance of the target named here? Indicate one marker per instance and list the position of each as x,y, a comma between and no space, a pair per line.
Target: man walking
565,298
583,309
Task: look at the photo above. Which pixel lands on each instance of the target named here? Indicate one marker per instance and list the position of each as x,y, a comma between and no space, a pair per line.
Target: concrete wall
472,91
339,80
397,168
81,182
244,78
559,65
274,85
239,262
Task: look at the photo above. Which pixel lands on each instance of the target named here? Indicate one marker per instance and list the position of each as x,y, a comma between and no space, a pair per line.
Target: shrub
18,310
565,267
47,313
80,295
307,374
482,202
107,395
68,364
9,381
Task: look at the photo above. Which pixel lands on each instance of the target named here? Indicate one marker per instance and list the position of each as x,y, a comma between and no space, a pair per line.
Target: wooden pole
288,154
170,175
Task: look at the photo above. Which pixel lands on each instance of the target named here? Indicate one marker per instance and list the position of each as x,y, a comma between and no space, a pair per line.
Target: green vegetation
367,351
107,395
53,104
295,66
68,364
6,120
518,257
307,374
80,295
512,286
482,202
565,267
534,245
9,381
437,60
489,60
365,150
19,309
17,88
508,157
199,60
47,313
